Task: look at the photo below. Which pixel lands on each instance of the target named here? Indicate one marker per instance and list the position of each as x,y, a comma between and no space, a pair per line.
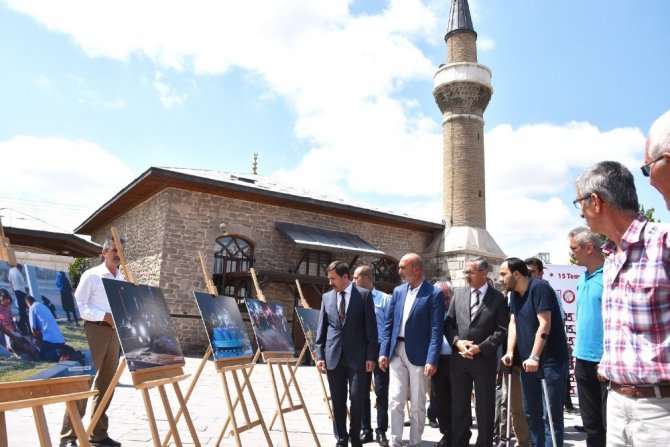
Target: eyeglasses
470,272
580,199
646,169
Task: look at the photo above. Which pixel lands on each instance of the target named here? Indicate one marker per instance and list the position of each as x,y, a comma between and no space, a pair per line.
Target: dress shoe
341,444
434,424
68,444
382,440
580,428
107,442
408,423
366,436
444,442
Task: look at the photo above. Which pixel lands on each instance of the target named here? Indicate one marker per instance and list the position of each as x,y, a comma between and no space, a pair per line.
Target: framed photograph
225,328
270,326
42,343
144,325
309,320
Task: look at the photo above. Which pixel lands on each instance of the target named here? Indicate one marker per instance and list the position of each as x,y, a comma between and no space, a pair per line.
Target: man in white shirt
102,339
21,289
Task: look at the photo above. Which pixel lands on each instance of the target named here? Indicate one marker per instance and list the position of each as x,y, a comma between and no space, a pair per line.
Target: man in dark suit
346,348
411,346
476,325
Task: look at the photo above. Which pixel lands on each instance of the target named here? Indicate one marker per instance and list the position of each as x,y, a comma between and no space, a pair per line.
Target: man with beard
536,330
102,339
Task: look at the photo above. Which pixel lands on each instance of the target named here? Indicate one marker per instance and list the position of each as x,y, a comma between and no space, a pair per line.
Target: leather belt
402,339
649,391
99,323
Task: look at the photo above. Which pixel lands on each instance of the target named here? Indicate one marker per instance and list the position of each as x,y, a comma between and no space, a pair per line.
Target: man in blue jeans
536,331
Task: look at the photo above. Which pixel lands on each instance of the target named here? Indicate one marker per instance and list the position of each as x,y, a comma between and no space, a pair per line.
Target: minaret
462,92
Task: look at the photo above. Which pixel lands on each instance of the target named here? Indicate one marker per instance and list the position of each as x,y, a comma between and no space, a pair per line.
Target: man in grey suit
346,348
476,325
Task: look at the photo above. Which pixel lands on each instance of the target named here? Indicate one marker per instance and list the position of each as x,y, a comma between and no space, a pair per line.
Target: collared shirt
589,340
381,302
409,303
482,291
636,306
17,279
90,294
347,297
42,319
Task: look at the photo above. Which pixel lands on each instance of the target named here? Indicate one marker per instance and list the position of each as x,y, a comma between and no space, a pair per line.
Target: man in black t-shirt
536,331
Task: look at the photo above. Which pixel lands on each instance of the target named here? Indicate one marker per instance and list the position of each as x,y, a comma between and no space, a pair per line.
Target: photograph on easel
270,326
309,321
224,325
144,325
37,340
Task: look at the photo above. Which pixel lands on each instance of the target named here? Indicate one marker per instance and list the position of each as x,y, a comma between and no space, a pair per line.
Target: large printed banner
563,278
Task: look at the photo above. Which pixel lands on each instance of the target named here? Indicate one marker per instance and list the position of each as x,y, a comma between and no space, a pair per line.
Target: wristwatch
535,357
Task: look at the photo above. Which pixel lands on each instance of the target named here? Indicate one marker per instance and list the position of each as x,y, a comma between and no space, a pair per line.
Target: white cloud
485,44
530,174
168,96
46,173
42,83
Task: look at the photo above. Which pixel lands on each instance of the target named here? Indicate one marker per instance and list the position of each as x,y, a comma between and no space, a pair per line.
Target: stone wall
165,233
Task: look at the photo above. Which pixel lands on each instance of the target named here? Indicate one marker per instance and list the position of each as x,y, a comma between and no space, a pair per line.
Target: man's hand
321,366
109,320
463,345
530,365
369,366
507,359
383,362
429,370
471,351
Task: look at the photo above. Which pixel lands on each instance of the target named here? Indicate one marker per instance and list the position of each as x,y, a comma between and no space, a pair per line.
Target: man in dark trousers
476,325
346,349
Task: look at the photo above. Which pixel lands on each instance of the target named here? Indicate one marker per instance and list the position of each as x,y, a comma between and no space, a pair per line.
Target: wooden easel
305,348
232,366
6,251
150,378
36,394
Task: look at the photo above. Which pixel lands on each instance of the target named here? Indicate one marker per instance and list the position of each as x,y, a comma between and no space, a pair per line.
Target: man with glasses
636,311
476,325
657,156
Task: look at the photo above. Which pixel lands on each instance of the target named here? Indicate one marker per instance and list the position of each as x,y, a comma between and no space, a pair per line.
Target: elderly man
585,250
102,339
636,287
475,326
411,346
657,156
363,278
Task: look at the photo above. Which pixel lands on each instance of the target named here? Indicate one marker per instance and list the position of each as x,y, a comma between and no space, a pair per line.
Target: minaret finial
254,165
459,18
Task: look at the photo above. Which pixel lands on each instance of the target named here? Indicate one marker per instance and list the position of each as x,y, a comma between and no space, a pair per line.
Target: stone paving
128,421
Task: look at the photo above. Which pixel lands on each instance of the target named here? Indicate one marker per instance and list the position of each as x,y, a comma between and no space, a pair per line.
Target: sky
333,95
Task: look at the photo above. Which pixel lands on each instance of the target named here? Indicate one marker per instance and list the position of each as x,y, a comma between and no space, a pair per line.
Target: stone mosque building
167,215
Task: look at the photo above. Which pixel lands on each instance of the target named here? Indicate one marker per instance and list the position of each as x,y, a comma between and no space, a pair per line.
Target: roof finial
254,166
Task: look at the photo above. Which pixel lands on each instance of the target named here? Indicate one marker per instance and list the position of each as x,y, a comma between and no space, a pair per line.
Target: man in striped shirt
636,306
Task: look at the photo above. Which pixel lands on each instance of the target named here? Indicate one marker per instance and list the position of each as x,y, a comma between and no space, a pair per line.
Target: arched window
385,270
233,257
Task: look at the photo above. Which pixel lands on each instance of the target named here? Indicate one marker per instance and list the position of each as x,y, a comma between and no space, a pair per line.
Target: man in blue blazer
411,346
346,349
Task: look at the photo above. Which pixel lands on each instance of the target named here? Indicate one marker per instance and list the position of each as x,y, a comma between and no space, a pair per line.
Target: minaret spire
459,18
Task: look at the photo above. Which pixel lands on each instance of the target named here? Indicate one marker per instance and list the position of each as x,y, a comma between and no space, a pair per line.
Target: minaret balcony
463,71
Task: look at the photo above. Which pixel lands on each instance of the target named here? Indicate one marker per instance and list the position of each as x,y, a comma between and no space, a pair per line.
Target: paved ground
128,421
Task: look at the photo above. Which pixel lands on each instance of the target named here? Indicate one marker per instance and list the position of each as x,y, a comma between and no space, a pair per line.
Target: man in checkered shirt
636,306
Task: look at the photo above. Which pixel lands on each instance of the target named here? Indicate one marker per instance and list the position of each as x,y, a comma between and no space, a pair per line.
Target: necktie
341,309
474,303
